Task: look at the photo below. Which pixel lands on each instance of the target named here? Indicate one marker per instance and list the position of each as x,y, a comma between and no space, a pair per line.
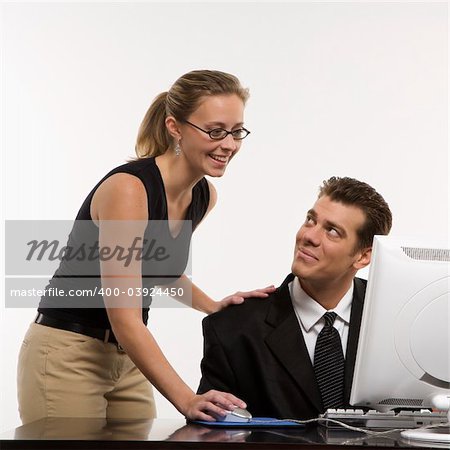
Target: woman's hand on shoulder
239,297
212,405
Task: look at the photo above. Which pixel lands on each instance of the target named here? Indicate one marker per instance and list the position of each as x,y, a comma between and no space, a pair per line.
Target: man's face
326,242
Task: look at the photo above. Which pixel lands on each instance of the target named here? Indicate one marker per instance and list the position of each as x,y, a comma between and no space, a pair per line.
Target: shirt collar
310,312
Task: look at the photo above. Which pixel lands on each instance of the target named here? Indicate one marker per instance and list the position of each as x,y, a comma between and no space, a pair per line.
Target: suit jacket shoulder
252,313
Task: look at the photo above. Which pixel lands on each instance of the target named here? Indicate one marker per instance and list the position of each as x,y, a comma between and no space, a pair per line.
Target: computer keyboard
389,419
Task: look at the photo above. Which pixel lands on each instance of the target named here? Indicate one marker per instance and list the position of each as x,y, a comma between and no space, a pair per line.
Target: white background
357,89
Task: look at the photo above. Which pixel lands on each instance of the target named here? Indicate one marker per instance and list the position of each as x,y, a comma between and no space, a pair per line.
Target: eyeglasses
219,133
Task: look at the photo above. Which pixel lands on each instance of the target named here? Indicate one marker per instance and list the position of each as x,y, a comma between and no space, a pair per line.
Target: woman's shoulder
210,194
135,167
122,183
204,199
129,179
120,195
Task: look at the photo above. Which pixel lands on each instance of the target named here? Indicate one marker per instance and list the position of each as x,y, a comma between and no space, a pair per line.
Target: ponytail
153,138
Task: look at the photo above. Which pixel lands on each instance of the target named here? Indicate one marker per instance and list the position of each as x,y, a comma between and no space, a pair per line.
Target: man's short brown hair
349,191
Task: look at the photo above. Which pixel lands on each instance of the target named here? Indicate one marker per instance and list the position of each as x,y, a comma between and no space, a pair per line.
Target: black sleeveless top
73,274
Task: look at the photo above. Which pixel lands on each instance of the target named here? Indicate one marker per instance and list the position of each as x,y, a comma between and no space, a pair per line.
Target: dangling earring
177,149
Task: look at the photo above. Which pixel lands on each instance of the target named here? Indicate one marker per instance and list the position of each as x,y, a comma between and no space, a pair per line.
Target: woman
96,362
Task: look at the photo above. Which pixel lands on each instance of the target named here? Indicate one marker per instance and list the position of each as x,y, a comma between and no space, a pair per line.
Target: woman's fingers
264,292
235,401
213,405
224,400
240,296
255,293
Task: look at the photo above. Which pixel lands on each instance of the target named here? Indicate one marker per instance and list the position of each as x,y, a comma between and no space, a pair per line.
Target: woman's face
205,155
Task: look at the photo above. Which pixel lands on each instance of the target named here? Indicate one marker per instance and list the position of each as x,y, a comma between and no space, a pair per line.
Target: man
282,355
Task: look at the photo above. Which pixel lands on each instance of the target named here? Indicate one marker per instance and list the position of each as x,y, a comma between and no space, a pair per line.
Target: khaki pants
65,374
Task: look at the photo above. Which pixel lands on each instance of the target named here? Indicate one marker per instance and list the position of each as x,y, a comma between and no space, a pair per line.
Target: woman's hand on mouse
212,405
239,297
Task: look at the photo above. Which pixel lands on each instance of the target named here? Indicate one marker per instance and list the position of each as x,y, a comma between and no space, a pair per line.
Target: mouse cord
342,424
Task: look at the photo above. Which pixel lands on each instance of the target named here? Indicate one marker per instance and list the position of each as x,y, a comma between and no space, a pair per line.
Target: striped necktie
329,364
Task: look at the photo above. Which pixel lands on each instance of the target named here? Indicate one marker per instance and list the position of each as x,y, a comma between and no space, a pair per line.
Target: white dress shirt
309,314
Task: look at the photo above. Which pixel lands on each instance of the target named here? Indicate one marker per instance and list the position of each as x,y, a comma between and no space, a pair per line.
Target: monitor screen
403,356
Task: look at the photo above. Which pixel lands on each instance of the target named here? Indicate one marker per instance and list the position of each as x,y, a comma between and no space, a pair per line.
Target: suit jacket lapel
353,335
288,345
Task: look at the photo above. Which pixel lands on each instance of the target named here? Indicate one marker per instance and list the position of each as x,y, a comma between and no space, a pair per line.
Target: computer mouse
237,415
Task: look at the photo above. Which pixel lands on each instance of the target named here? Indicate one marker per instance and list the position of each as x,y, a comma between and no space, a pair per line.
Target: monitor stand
439,434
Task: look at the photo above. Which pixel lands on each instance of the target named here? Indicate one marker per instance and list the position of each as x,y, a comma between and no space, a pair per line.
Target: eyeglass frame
223,129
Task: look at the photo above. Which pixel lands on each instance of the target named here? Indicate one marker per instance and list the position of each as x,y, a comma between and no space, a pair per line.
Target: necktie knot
329,318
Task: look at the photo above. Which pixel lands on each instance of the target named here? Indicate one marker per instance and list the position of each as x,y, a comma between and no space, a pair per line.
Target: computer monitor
403,356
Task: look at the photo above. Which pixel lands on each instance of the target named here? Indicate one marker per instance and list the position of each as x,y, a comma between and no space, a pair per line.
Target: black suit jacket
257,352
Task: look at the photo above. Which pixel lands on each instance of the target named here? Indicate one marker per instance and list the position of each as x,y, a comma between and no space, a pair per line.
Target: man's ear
363,258
173,127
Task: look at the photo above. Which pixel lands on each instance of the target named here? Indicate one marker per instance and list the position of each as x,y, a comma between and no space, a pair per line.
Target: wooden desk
90,434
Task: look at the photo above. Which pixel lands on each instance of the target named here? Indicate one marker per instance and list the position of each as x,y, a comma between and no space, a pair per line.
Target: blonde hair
181,101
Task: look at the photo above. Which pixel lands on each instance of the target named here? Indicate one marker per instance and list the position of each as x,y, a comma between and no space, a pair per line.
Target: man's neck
327,295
